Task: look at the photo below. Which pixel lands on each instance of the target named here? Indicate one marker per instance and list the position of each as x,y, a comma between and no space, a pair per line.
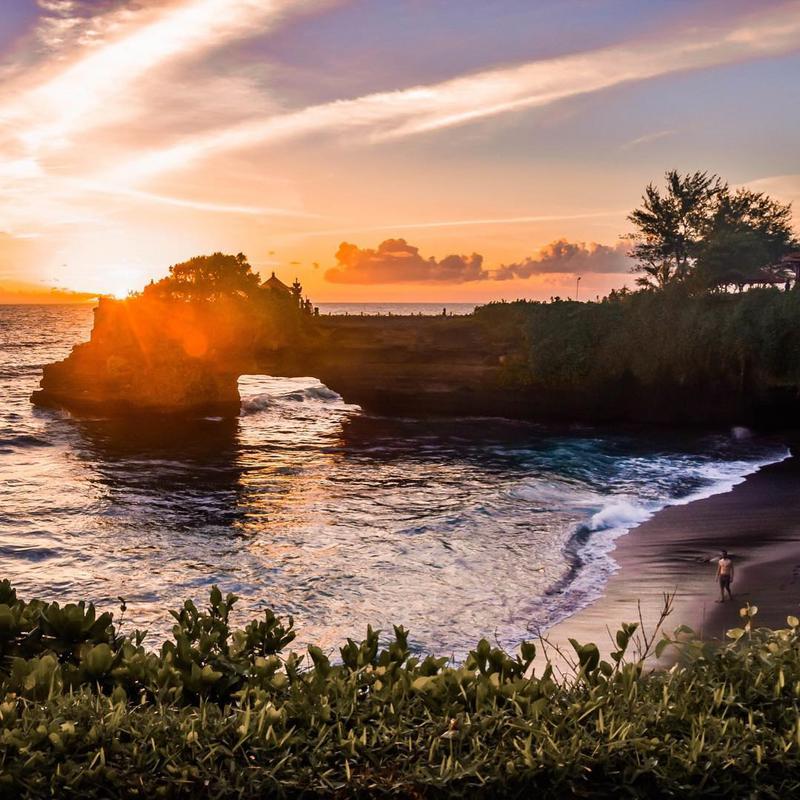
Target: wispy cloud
95,60
67,102
197,205
468,223
783,187
646,138
106,99
469,98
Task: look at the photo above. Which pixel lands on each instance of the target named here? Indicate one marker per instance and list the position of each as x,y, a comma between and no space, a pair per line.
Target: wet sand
758,523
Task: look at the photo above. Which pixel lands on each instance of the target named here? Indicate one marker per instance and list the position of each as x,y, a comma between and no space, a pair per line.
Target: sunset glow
135,135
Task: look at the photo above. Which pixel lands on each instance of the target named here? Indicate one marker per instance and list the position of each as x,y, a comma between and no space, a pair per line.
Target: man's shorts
725,582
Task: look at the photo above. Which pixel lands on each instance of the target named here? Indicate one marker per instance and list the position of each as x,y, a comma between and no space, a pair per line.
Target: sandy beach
758,522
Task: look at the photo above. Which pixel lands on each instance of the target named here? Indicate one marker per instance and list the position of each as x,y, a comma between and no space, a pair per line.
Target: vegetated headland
711,335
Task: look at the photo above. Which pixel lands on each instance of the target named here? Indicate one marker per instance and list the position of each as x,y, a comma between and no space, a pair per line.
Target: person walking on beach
724,576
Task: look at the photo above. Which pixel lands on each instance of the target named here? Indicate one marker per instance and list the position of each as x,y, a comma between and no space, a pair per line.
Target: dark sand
758,523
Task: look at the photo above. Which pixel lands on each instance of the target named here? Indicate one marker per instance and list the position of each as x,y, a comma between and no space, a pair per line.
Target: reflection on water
455,529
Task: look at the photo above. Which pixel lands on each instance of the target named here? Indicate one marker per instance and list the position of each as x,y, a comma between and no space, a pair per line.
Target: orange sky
143,133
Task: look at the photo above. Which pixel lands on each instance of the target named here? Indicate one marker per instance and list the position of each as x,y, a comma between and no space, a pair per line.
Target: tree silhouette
208,278
670,226
745,240
700,232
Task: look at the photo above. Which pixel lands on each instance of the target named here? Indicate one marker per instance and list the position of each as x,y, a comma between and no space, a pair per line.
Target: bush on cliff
216,712
730,346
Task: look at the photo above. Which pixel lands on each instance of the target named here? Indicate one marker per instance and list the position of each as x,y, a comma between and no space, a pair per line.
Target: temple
295,291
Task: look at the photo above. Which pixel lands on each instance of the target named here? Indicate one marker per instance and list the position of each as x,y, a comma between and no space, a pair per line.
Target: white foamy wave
288,393
594,541
319,393
259,402
621,513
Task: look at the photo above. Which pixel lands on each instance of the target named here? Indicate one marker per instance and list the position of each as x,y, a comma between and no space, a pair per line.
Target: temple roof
276,284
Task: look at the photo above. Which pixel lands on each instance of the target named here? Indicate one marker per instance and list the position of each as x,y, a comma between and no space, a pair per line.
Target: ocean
454,528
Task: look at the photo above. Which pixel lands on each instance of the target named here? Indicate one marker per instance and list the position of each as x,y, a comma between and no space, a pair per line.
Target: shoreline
757,521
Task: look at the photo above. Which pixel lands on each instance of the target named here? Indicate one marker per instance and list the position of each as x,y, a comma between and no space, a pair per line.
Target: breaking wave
281,395
589,549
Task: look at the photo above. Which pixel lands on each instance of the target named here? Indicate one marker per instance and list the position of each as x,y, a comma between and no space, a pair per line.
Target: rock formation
150,355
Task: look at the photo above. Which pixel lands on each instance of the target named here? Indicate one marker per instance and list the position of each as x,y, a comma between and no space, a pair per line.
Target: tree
745,240
208,278
697,231
670,226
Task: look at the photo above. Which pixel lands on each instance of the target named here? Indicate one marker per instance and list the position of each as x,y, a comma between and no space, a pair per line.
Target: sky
378,150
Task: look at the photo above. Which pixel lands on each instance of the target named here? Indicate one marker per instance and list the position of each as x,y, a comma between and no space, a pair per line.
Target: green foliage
210,307
226,713
697,230
668,350
208,278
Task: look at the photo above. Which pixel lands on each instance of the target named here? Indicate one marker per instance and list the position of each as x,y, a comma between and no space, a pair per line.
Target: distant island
709,336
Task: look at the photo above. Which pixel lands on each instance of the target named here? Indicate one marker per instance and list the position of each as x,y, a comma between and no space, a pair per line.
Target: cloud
648,137
76,23
84,93
424,108
197,205
782,187
90,65
396,261
563,256
467,223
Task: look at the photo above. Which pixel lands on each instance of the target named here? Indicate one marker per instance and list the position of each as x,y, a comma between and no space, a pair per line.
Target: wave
259,402
621,513
24,440
590,546
320,393
306,394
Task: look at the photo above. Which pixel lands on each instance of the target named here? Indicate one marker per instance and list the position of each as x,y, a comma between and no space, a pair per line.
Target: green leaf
662,646
98,660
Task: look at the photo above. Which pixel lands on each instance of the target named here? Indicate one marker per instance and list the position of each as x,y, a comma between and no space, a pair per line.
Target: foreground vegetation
89,712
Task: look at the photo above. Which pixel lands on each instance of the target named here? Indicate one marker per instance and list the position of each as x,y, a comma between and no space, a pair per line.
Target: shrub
88,712
657,356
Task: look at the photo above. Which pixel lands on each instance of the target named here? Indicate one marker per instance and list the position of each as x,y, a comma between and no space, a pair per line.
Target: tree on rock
208,278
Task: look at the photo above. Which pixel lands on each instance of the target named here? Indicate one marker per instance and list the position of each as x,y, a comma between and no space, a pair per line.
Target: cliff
166,357
651,359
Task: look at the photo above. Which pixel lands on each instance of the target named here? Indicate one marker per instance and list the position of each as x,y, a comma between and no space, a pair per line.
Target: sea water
454,528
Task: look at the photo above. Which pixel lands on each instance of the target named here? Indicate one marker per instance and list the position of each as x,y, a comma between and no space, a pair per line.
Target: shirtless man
724,576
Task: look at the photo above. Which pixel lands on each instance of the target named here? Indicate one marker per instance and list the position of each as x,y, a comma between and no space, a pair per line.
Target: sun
119,282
